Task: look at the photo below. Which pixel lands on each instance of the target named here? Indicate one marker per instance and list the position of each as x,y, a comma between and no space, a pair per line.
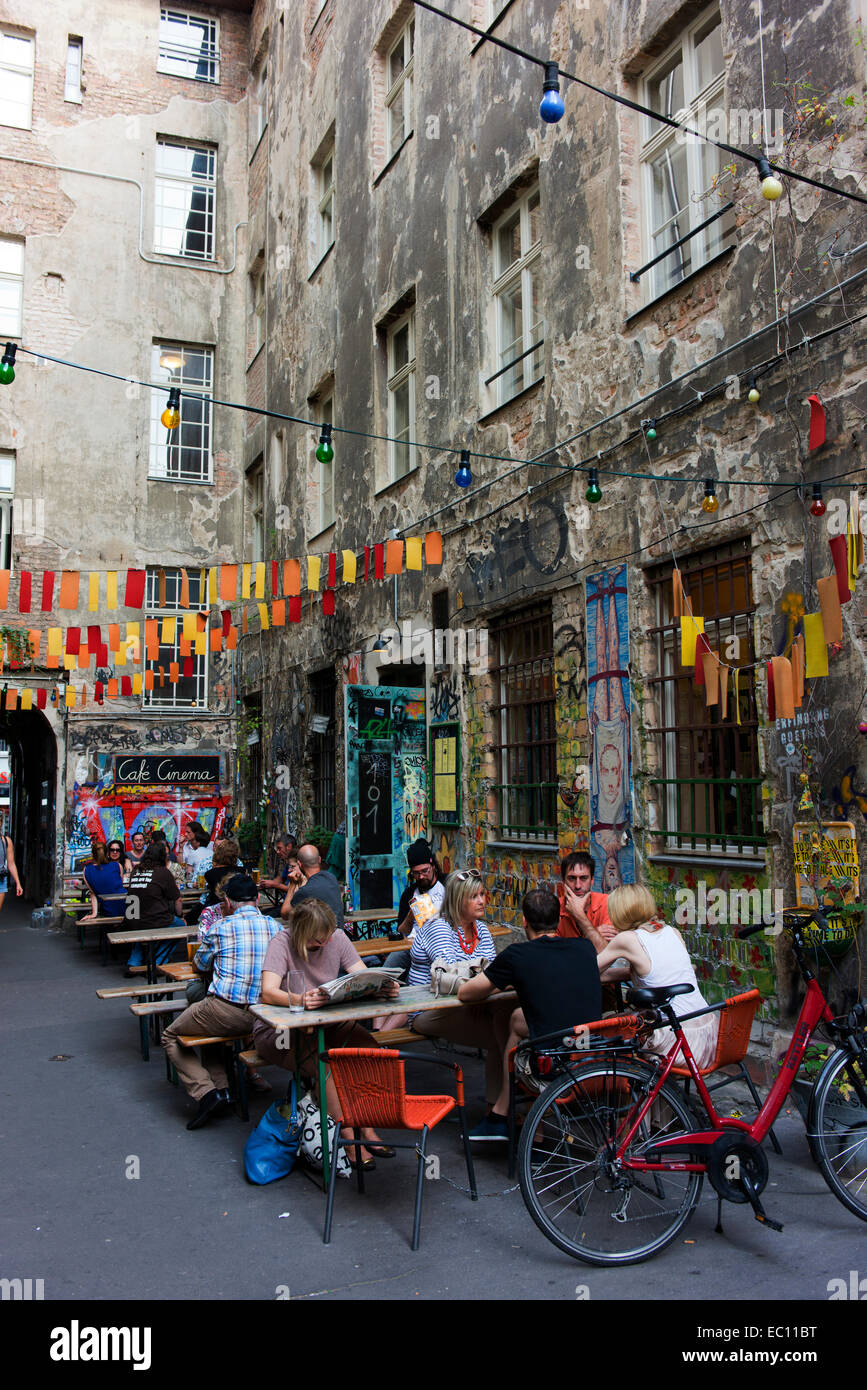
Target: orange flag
68,589
394,557
228,583
433,548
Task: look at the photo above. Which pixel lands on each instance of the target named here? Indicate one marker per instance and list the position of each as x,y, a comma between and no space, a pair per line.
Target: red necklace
468,947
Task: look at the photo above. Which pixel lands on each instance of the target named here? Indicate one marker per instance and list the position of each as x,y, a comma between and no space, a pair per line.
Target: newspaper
359,985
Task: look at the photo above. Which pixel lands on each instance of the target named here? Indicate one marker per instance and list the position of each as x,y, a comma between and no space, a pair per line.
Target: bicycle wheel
837,1128
582,1200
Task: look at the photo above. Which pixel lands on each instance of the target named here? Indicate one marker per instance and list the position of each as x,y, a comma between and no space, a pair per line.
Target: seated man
556,980
287,850
236,946
312,881
582,912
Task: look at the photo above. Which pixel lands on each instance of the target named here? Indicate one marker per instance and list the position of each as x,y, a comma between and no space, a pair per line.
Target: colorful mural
609,705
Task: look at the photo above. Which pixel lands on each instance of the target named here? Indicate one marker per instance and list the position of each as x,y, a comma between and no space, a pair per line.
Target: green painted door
386,789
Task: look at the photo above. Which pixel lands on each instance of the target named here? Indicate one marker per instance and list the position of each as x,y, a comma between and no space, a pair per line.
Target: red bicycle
611,1157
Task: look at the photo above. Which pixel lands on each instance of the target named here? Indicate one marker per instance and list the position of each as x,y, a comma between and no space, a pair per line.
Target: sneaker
494,1129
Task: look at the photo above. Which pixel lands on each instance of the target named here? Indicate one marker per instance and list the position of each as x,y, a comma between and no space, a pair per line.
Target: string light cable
761,162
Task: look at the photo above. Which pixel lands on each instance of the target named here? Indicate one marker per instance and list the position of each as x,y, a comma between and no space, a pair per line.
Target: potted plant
249,835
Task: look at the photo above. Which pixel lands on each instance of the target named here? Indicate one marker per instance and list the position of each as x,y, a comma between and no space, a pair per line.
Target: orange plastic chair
733,1039
371,1087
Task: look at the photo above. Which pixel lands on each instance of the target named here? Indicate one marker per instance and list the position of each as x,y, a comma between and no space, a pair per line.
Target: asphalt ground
80,1111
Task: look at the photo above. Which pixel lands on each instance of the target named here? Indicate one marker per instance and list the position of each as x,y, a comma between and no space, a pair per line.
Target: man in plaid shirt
235,946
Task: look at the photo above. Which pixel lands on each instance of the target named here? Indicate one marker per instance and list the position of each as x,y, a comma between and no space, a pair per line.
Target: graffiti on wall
609,707
524,552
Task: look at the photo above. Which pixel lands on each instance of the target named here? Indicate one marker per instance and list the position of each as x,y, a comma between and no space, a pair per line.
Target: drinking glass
295,985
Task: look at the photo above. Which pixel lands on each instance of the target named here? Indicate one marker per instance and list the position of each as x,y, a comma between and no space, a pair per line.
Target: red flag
227,620
332,570
275,578
125,685
817,422
97,692
73,641
24,592
840,556
328,603
135,589
366,563
772,700
47,591
102,654
295,609
41,698
379,562
94,638
701,646
188,665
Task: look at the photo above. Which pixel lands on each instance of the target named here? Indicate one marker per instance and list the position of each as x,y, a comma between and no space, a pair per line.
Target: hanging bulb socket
710,501
464,476
325,449
772,189
650,432
594,491
817,506
754,395
171,416
552,106
7,365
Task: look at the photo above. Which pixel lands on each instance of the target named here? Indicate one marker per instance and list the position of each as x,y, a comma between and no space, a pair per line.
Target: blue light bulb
552,106
464,477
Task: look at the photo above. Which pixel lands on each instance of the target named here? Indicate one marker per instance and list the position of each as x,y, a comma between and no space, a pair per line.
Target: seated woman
157,901
312,946
227,856
104,878
460,934
657,956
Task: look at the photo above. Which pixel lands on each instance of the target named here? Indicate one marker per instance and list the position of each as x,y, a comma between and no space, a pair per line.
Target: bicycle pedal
768,1221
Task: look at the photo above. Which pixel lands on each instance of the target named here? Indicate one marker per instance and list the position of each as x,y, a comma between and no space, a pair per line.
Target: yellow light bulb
171,418
709,504
772,189
754,396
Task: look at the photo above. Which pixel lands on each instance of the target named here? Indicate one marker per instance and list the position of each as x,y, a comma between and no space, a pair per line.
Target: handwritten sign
445,783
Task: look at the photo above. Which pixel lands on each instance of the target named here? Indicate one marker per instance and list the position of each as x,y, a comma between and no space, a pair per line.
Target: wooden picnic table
413,1000
151,937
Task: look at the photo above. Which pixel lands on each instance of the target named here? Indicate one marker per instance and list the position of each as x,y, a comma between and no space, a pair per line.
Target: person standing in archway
8,869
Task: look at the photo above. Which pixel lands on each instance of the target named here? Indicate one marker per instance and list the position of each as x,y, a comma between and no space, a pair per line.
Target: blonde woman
312,946
657,957
458,934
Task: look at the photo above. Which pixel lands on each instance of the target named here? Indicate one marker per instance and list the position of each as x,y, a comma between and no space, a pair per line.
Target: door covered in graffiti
386,789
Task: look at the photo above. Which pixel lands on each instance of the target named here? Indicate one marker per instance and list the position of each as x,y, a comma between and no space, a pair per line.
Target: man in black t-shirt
319,884
556,980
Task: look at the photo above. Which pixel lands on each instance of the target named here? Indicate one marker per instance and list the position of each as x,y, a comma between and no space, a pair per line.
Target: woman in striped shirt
458,934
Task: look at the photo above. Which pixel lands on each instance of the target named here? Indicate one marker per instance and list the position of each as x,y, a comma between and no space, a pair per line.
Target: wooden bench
139,991
146,1012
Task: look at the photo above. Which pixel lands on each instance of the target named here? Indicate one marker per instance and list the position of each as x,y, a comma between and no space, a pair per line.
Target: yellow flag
816,663
413,552
191,626
201,643
93,592
245,581
111,590
136,683
27,699
168,631
212,587
260,579
690,627
70,697
314,566
349,564
263,616
55,641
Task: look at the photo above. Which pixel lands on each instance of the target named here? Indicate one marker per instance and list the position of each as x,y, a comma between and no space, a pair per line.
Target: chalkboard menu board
374,803
444,775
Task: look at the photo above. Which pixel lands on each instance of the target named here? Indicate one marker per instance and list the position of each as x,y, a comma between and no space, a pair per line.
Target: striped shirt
236,947
437,938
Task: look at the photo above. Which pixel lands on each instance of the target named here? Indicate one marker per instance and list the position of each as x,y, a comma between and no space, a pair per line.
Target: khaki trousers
474,1025
211,1017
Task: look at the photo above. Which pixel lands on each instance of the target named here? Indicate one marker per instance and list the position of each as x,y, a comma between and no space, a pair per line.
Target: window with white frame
401,395
519,327
399,82
325,190
11,287
74,59
189,45
182,455
324,408
256,508
190,689
680,172
16,80
184,199
7,494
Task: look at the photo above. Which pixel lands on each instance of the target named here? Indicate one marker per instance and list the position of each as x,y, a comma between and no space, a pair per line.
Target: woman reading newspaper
312,945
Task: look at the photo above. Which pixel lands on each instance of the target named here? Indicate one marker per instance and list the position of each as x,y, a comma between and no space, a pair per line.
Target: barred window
522,644
190,690
184,196
182,455
708,787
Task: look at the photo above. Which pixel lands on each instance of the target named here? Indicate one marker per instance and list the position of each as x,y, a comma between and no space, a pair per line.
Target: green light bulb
325,451
7,374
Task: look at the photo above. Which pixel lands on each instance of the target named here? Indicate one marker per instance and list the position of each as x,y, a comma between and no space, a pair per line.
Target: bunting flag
228,583
816,657
5,576
817,423
332,569
259,591
737,694
135,589
701,650
710,672
111,591
433,547
829,604
723,690
328,603
349,566
840,556
314,566
295,609
379,562
677,594
278,612
69,588
394,557
24,592
275,579
93,592
366,563
263,616
48,591
413,552
784,692
690,627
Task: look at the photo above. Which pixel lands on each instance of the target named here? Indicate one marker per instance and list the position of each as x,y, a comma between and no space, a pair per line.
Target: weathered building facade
445,271
428,267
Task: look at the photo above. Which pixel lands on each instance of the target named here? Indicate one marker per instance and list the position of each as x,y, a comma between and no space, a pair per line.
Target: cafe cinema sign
155,770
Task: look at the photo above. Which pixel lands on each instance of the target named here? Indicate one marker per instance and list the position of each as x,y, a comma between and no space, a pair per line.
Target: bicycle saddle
652,998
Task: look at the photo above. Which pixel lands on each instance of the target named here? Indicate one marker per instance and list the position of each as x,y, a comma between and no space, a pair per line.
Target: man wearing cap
235,947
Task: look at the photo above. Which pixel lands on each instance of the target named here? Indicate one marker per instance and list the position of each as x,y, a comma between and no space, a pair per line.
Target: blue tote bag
272,1148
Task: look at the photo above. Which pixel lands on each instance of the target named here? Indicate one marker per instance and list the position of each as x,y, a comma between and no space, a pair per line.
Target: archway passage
31,817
